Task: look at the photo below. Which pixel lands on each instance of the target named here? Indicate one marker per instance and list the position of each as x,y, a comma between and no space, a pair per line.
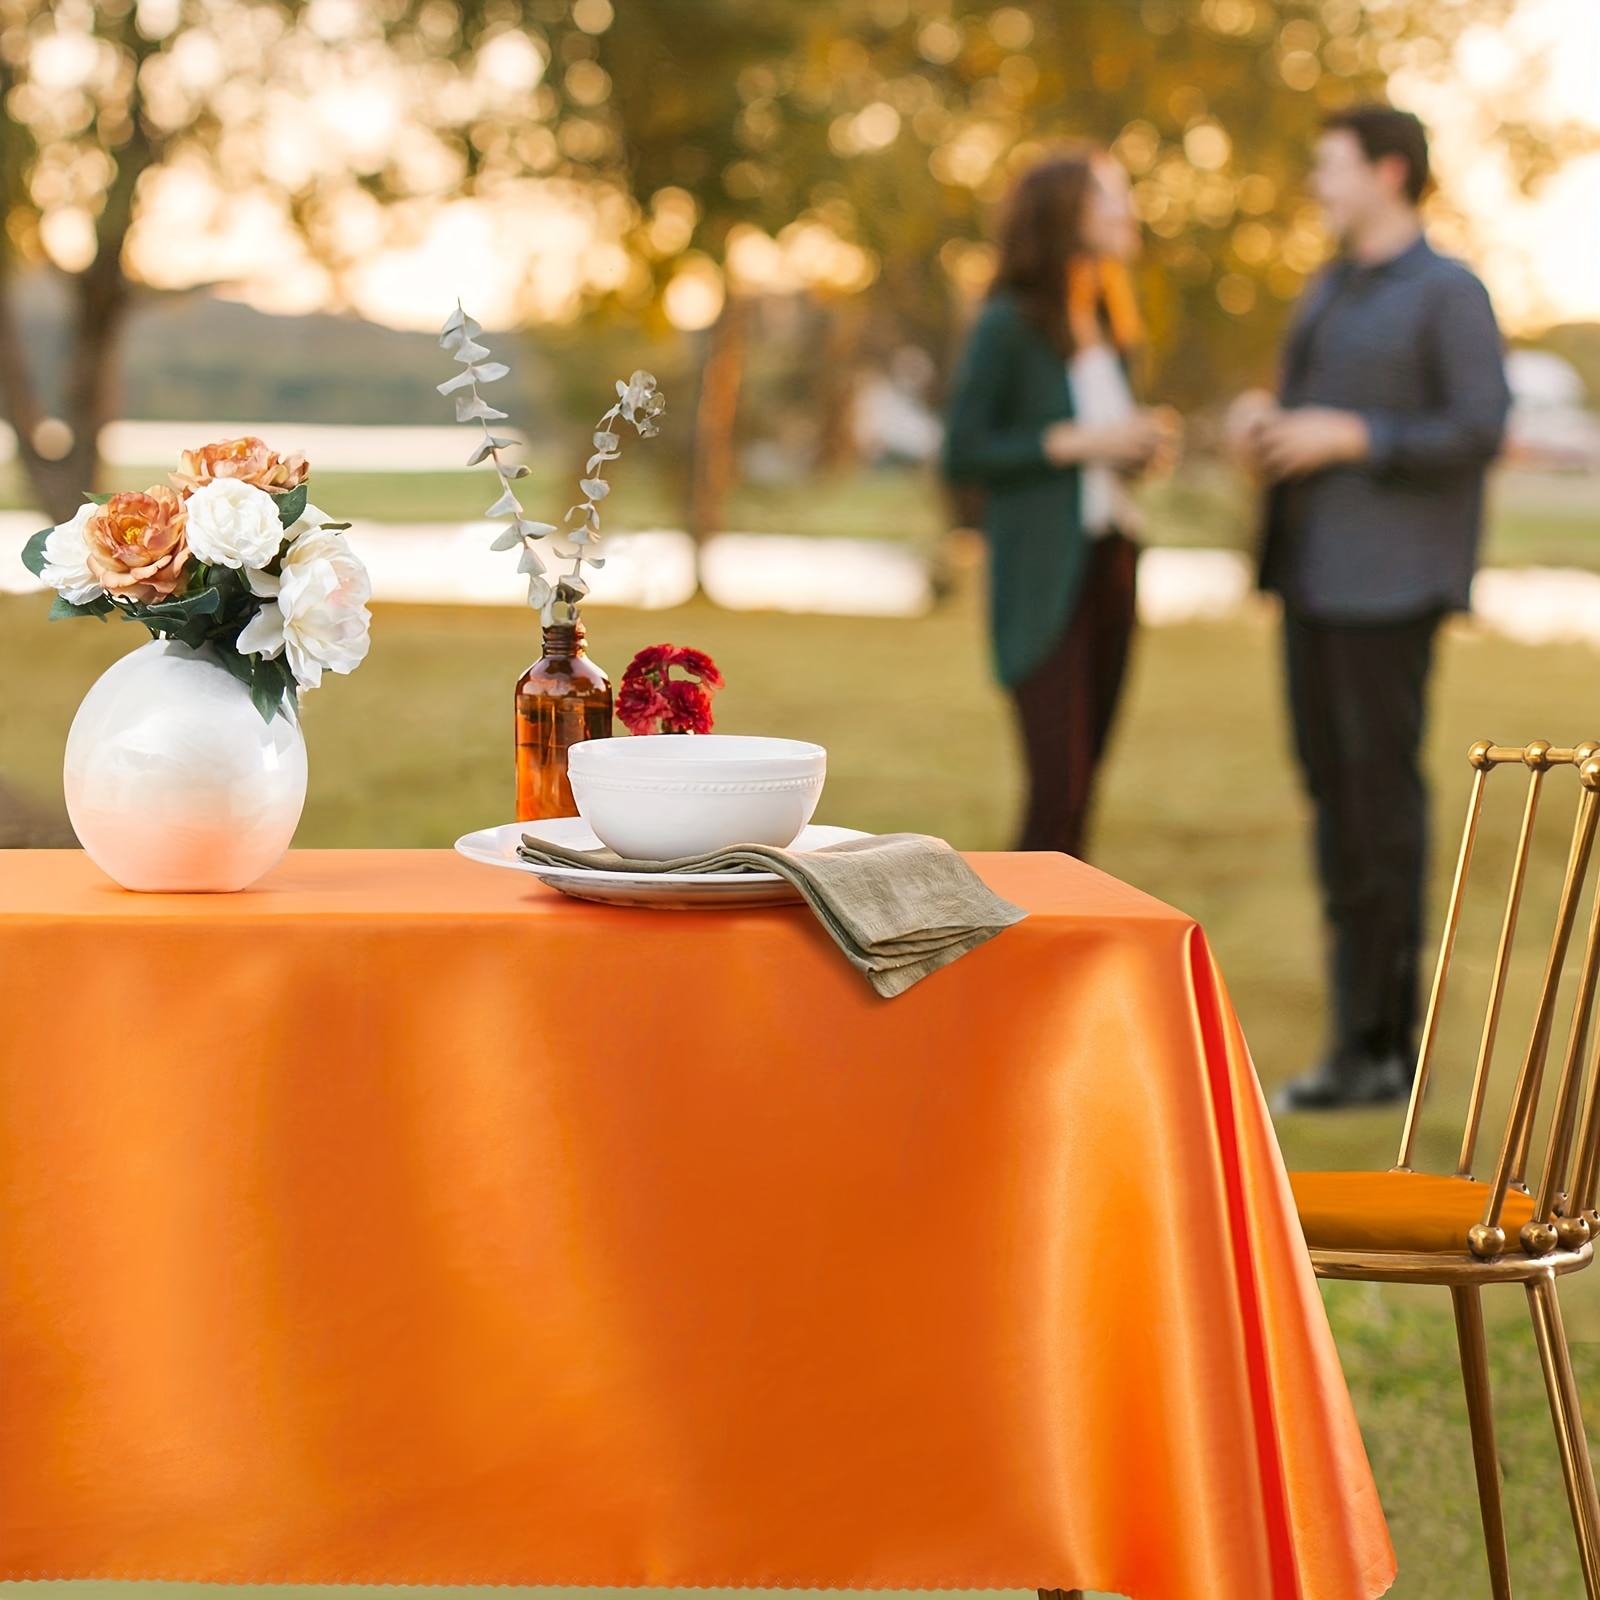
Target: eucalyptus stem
638,403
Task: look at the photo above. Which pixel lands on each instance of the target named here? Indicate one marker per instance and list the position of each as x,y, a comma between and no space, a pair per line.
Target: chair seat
1411,1211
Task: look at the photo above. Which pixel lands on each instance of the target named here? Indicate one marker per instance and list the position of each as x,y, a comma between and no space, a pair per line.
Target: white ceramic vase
174,783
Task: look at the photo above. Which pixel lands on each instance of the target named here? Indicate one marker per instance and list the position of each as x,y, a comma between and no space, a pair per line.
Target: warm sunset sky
1540,255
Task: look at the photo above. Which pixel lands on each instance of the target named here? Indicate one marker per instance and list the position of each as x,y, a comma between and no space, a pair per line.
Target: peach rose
248,459
135,545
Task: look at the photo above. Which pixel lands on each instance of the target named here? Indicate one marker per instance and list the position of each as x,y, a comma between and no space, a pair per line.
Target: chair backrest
1564,1205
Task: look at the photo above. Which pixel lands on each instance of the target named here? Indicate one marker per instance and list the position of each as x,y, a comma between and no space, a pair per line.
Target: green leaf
236,665
266,698
229,587
33,551
189,619
61,609
271,685
200,604
97,499
292,506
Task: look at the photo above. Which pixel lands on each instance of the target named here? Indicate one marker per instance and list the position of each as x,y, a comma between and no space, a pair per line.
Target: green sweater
1010,386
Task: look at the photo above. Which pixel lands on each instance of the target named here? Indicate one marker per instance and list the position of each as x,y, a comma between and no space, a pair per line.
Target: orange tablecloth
401,1221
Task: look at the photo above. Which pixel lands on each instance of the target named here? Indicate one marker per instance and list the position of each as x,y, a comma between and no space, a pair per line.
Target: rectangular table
401,1221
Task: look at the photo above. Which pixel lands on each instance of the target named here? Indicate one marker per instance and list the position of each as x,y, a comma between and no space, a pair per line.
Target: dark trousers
1356,695
1067,706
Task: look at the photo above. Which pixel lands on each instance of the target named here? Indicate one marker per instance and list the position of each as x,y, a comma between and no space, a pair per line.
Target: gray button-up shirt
1412,345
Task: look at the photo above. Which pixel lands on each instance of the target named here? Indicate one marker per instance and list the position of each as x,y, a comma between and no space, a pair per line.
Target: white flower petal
306,668
262,635
66,560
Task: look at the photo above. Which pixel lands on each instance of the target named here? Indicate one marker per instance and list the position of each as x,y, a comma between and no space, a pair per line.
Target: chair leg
1480,1416
1576,1467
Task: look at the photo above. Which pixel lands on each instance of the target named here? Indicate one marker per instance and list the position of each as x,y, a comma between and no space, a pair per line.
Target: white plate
678,891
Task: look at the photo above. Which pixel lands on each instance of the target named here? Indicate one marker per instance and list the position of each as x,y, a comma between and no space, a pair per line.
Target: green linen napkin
900,905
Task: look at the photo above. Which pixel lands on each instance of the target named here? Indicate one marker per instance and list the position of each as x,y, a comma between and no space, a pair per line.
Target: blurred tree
74,142
1213,105
139,135
852,150
686,79
847,151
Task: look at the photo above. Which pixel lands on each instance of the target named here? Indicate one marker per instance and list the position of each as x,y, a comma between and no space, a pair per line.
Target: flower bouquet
653,701
250,594
231,556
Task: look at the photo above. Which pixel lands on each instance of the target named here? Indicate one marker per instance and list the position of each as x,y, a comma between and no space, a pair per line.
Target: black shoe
1347,1081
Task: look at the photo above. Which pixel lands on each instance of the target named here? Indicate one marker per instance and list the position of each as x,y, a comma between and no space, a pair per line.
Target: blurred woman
1043,419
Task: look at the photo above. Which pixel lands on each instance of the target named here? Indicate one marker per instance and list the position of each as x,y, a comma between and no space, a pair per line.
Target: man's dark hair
1382,131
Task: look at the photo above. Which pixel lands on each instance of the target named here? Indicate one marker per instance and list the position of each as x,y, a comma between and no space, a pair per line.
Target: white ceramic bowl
680,794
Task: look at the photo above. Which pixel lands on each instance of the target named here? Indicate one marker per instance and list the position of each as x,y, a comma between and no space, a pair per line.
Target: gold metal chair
1405,1226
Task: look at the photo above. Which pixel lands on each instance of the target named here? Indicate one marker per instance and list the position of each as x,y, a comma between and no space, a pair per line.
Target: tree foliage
847,150
341,121
894,127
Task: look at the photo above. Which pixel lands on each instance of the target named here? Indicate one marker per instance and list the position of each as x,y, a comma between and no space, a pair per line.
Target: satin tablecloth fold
400,1221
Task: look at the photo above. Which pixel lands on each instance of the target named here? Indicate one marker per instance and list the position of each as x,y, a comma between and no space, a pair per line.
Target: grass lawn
1548,519
1199,807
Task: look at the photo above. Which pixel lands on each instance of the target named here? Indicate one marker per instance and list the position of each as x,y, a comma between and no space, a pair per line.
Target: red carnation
652,661
688,707
651,700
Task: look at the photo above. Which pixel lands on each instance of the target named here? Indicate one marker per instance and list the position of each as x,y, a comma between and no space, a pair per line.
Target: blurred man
1392,403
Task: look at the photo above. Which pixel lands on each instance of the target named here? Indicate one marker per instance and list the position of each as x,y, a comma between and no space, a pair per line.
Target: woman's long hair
1041,235
1045,264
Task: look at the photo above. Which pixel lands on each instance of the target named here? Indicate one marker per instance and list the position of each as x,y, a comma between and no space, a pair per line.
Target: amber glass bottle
562,699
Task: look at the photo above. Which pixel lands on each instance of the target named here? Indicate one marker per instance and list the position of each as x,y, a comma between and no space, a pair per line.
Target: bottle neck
564,640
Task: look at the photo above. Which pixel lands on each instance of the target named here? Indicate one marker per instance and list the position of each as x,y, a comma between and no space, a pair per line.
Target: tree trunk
100,303
60,483
712,469
837,383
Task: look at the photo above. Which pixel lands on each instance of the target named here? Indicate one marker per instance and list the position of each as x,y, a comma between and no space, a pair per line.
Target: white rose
66,560
316,610
233,524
